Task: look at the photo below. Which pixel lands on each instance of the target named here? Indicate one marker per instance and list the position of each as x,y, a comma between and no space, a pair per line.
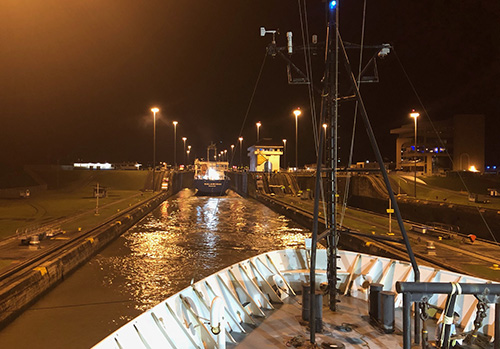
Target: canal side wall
19,292
365,192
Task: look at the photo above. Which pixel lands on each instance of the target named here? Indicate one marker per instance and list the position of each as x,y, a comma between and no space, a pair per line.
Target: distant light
487,167
473,169
297,112
494,167
414,114
333,4
155,110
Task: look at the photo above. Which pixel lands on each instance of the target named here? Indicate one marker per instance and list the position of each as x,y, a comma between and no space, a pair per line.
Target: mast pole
331,94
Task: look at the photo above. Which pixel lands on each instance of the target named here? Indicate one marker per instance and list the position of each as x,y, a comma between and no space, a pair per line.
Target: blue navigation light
333,4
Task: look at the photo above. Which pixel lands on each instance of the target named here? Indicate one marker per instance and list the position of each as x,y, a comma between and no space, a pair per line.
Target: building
265,156
456,144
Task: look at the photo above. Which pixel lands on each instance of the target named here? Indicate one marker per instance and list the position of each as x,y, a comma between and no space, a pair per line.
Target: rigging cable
442,143
251,99
310,87
351,151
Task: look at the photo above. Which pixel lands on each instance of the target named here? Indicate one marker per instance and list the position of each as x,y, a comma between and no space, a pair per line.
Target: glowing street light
184,139
284,154
415,116
232,152
241,146
175,143
258,124
297,113
154,110
188,152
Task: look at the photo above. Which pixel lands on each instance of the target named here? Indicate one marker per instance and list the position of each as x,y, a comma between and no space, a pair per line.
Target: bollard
318,298
387,302
431,249
374,304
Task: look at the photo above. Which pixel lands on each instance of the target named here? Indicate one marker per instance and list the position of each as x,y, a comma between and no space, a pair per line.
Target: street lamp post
297,113
154,110
184,139
189,152
232,154
175,143
258,124
241,146
284,154
415,115
324,128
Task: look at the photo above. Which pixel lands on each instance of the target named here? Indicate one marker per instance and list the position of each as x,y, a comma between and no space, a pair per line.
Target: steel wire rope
310,89
351,151
251,101
441,142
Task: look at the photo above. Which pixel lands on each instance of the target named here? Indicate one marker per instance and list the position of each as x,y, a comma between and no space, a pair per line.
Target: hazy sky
78,78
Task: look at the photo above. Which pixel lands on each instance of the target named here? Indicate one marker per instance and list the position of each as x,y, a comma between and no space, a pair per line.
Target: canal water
186,238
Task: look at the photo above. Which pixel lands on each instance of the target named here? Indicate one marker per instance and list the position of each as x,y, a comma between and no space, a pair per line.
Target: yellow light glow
175,123
240,139
414,114
155,110
473,169
258,124
325,126
297,112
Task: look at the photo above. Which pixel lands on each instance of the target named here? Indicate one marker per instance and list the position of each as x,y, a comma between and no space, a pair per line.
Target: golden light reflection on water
192,237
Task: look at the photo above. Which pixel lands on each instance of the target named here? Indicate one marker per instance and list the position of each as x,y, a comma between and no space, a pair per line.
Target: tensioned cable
351,151
310,88
251,99
442,143
309,74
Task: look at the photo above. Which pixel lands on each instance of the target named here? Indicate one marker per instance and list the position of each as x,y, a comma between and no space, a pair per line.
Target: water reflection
192,237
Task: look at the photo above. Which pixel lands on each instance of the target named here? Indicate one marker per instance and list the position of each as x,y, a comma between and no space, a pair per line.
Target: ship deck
284,327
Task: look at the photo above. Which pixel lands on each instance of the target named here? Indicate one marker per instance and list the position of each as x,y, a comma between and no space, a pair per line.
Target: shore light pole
284,154
241,146
258,124
184,139
325,126
297,113
154,110
175,143
232,154
415,116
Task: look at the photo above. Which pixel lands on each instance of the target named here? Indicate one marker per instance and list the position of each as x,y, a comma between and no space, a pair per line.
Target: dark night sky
78,78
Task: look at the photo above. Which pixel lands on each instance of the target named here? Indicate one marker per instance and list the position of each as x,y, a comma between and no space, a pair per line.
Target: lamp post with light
258,124
415,116
297,113
154,110
241,146
232,154
324,128
184,139
284,154
175,143
188,152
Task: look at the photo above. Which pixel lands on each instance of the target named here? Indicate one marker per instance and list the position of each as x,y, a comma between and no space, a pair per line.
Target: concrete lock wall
24,289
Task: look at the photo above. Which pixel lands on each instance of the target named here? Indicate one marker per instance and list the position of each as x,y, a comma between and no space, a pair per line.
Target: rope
442,143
